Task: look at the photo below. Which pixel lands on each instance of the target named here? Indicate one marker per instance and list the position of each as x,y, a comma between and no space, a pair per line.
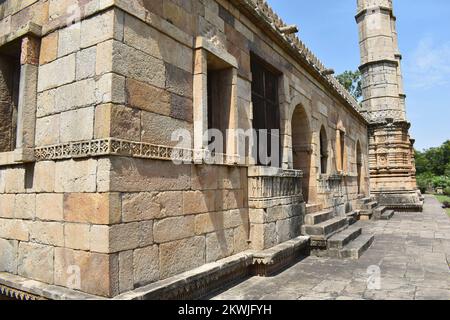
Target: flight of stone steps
370,209
333,235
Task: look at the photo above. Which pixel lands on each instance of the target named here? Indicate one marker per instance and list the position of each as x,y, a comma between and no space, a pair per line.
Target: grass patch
443,198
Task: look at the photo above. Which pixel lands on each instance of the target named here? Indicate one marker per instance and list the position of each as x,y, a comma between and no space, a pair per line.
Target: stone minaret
392,169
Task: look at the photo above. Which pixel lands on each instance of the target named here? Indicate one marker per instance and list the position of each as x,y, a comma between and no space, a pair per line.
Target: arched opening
359,164
301,147
323,151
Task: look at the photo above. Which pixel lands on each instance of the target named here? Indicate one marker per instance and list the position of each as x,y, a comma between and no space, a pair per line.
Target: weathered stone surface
44,176
219,220
97,29
199,201
8,255
147,97
204,177
69,40
175,228
47,130
97,208
97,272
136,175
14,229
35,261
159,130
130,236
49,48
171,203
86,63
77,236
7,205
179,256
77,125
219,245
75,176
263,236
140,206
146,265
118,122
126,281
50,233
57,73
179,81
138,65
229,199
49,207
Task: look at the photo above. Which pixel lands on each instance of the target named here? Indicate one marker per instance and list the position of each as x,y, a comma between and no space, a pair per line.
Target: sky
329,29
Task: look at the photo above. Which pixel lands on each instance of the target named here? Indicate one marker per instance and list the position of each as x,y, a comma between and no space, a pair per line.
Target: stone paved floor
412,252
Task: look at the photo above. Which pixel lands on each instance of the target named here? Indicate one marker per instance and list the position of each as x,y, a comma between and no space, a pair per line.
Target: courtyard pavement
408,260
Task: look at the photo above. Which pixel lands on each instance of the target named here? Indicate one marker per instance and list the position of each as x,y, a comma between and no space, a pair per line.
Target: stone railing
274,186
331,184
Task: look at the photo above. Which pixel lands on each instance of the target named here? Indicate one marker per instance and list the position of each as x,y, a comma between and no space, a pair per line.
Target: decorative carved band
17,294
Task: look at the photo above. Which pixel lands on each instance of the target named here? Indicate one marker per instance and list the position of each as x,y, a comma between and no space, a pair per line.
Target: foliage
433,168
352,82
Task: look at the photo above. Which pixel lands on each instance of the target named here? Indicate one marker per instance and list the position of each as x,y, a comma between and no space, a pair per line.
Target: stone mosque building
92,201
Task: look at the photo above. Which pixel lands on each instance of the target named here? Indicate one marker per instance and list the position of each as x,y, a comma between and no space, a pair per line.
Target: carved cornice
17,294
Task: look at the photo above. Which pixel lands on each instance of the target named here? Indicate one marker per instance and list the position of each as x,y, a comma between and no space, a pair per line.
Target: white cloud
429,65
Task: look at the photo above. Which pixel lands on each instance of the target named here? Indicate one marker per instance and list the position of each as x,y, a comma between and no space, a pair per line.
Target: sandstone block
69,40
140,206
77,125
126,279
47,130
263,236
146,266
136,175
138,65
49,207
182,255
147,97
7,205
97,273
204,177
179,81
104,57
75,176
50,233
229,178
98,29
158,129
96,208
8,256
229,199
219,245
44,176
241,238
12,180
77,236
288,229
170,203
199,201
25,206
130,236
68,97
46,104
57,73
181,108
49,48
14,229
175,228
118,122
35,261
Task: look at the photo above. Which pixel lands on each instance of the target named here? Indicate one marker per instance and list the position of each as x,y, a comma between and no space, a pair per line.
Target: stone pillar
392,173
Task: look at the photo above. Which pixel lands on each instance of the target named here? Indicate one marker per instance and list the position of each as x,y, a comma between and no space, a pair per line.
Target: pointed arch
323,144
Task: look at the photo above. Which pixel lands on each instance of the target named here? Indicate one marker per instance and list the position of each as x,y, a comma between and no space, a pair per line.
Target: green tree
352,82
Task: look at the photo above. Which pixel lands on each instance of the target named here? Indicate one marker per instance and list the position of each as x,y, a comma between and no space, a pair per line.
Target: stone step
352,217
371,205
355,249
313,208
318,217
341,239
365,215
365,200
387,215
380,210
325,229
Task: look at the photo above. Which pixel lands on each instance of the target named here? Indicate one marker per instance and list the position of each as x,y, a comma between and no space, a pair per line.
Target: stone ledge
18,287
269,261
28,29
196,283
